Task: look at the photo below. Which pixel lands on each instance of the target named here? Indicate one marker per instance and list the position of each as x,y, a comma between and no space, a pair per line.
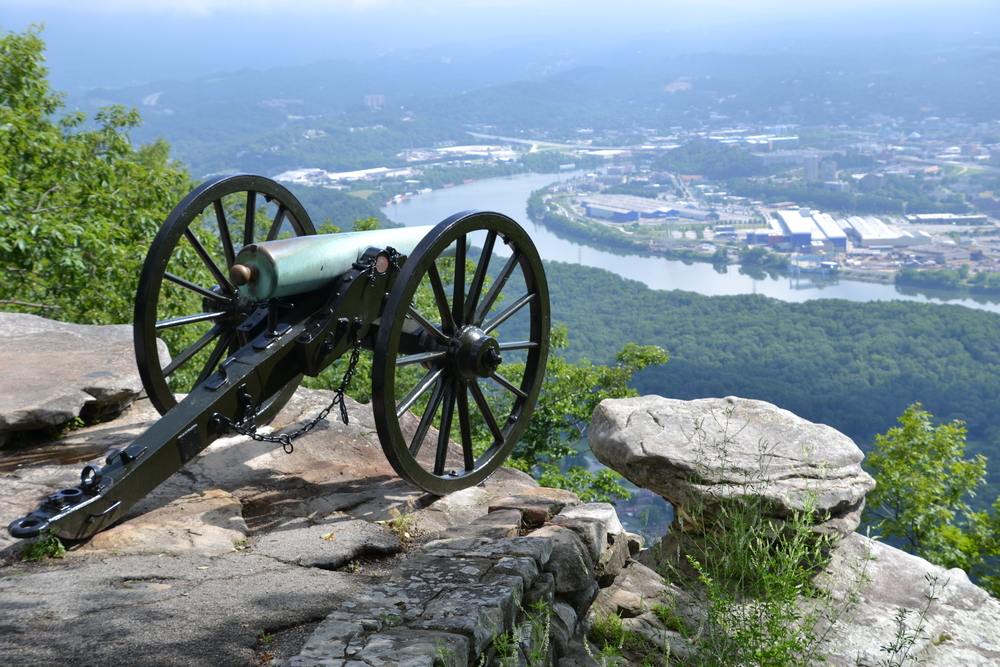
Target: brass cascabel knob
241,275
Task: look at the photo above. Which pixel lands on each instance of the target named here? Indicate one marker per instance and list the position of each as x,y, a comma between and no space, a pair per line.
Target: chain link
247,428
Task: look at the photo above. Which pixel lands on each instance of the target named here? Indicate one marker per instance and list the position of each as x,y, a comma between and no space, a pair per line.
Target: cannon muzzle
301,264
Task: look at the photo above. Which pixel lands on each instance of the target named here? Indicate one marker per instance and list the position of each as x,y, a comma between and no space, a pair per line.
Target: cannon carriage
456,316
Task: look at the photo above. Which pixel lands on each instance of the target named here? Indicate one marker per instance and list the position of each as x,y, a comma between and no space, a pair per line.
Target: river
645,513
510,195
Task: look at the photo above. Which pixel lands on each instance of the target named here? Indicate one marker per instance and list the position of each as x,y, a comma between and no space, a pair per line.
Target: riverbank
509,195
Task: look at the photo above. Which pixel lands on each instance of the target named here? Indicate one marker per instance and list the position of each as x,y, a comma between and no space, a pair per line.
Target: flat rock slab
149,611
208,522
537,505
329,545
53,370
703,451
960,627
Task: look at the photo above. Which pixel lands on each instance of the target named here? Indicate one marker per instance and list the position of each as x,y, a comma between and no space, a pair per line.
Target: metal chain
248,429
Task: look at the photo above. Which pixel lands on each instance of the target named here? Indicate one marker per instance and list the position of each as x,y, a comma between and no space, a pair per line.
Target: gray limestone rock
544,591
603,512
537,505
53,370
476,611
571,566
329,545
591,531
960,627
702,452
563,627
611,562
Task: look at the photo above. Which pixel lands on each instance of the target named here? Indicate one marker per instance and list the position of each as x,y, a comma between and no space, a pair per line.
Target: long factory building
805,230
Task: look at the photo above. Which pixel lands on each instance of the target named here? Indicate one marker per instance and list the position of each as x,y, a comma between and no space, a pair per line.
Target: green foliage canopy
924,483
570,392
78,206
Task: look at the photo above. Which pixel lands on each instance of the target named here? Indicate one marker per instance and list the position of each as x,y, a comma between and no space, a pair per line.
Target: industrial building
946,219
813,232
833,232
629,208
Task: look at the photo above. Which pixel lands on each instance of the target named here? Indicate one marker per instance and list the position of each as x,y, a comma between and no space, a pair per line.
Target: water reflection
509,195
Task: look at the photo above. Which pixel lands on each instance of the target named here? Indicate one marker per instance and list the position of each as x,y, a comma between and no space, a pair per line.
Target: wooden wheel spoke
441,299
429,327
192,350
476,287
427,418
197,289
508,385
279,219
508,312
191,303
465,428
220,278
496,287
458,302
444,431
479,420
227,240
188,319
486,411
250,222
420,358
419,390
519,345
213,360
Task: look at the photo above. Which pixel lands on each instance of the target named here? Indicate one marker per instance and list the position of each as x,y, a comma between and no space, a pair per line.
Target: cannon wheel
184,288
460,340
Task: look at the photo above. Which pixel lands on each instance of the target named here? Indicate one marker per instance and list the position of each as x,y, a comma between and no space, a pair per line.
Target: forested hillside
340,209
854,366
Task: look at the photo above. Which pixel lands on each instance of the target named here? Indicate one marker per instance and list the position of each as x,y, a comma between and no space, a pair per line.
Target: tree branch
17,302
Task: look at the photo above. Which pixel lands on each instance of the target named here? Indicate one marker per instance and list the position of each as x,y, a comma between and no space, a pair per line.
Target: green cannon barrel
306,263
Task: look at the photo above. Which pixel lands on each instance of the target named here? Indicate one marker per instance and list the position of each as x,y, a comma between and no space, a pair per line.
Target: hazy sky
114,42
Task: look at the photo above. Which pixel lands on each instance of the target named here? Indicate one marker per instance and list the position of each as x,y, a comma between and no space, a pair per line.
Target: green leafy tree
78,205
924,482
570,392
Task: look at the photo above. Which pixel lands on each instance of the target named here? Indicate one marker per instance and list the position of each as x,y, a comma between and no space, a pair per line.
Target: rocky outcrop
252,556
704,453
700,453
54,371
459,600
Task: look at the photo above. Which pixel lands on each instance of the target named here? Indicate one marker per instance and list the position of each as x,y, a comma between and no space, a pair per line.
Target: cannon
252,299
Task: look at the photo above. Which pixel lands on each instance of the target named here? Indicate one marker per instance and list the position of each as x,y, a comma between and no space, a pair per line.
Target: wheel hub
475,353
237,306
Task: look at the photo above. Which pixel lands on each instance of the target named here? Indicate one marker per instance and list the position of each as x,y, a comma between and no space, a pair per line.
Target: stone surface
591,532
98,609
570,563
603,512
537,505
54,370
330,544
611,562
961,627
707,450
502,523
209,522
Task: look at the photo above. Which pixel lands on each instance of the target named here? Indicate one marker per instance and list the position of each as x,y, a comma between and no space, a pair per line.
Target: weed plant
751,574
527,643
46,546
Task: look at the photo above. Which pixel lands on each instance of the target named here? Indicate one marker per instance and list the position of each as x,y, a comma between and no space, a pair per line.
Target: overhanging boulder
700,453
